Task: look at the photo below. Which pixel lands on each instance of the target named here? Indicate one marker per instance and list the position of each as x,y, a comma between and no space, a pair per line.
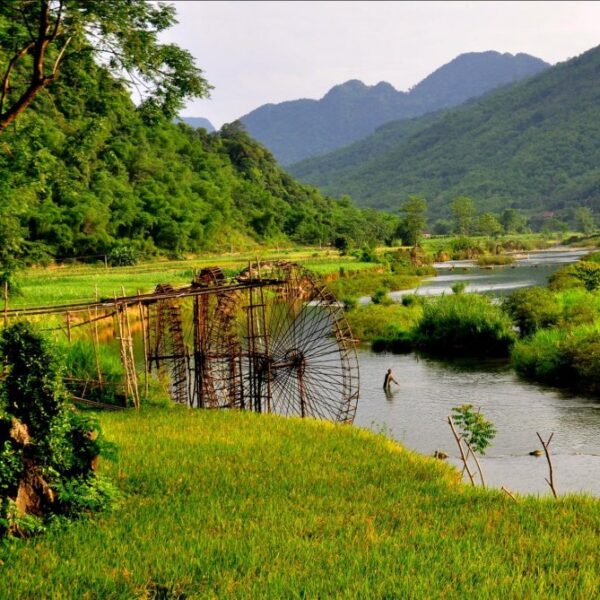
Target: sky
255,53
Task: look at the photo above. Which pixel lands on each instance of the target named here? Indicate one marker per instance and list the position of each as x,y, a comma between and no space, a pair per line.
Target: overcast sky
259,52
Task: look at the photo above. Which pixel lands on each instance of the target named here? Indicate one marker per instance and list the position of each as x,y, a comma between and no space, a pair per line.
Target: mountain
302,128
197,122
83,173
533,145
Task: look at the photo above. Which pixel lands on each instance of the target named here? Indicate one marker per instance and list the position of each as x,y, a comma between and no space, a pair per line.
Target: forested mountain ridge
534,145
299,129
82,172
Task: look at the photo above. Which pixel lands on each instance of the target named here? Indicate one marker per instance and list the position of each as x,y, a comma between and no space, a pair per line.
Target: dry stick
509,493
462,453
550,481
476,462
142,320
69,326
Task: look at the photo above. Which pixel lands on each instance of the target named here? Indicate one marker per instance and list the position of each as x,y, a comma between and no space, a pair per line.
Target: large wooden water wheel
272,340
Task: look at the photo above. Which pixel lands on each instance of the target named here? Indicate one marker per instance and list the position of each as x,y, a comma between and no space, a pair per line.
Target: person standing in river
388,380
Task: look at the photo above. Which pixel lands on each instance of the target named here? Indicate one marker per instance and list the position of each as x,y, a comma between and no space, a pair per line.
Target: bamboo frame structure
272,339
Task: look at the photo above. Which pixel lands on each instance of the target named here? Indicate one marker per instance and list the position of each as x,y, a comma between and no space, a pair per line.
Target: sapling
472,429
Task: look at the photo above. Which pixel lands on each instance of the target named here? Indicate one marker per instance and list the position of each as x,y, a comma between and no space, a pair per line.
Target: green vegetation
530,146
464,324
532,309
231,505
85,173
48,452
495,260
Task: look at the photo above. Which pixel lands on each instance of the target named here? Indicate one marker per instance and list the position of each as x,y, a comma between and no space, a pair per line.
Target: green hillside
237,505
82,172
534,145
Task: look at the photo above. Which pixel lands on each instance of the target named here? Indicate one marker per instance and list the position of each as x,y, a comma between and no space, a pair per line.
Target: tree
413,220
489,225
42,35
584,220
513,221
463,213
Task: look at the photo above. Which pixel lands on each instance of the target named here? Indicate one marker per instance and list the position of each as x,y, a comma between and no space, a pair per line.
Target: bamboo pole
69,326
128,390
5,303
462,453
145,342
96,346
136,392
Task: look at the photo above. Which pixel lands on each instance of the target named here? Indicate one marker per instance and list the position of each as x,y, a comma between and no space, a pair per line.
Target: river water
415,414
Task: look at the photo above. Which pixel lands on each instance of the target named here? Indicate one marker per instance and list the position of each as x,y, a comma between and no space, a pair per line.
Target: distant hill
535,145
197,122
302,128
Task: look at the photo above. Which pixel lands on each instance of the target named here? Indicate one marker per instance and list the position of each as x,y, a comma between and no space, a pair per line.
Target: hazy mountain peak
298,129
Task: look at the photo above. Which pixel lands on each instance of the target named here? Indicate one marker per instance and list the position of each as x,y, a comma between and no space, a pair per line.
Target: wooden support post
131,357
5,303
145,342
128,390
69,326
95,344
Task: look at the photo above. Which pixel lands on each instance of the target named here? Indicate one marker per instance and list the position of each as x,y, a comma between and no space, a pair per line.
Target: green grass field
71,283
237,505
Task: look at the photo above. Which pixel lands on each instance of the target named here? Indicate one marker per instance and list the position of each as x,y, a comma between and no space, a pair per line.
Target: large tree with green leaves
39,36
414,220
463,215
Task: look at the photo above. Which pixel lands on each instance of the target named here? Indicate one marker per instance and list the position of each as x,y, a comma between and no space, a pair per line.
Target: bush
47,451
532,308
567,358
381,296
495,259
122,256
466,324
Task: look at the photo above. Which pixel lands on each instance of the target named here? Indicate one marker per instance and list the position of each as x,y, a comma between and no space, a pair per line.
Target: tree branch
550,481
11,65
462,453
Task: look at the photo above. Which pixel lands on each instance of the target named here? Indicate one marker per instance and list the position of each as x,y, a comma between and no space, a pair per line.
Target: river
415,414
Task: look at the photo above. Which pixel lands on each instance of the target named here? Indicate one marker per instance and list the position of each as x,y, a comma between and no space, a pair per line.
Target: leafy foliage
532,309
464,324
477,431
47,451
84,172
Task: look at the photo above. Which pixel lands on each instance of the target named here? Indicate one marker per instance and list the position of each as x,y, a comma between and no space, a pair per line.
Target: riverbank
237,505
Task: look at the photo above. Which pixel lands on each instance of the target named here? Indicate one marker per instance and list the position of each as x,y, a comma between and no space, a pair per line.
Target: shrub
466,324
568,358
588,273
380,296
532,308
47,451
495,259
122,256
459,287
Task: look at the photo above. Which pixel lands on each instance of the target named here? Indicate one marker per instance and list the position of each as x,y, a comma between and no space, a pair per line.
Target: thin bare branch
545,445
462,452
509,493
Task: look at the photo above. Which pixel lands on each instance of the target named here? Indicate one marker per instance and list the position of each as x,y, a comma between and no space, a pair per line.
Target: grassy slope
239,505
